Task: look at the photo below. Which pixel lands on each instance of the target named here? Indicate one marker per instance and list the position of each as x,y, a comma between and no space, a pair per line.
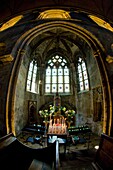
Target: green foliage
44,113
68,114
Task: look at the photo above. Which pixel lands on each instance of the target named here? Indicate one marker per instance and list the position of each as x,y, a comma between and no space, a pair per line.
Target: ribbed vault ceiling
58,40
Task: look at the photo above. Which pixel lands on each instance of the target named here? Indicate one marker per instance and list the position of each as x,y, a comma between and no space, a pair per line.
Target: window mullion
82,77
57,83
51,81
63,81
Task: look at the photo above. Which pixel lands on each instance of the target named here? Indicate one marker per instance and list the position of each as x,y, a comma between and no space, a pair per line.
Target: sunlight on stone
101,22
54,13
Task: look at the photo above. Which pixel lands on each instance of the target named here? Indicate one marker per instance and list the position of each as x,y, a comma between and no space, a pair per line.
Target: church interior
56,70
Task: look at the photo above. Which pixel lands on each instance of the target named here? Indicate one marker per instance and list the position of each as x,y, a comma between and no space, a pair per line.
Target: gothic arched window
31,78
82,75
57,75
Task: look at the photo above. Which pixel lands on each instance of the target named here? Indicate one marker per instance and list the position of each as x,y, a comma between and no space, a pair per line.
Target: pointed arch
98,49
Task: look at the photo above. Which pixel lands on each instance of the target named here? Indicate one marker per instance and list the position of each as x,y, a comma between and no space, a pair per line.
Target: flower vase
69,123
46,124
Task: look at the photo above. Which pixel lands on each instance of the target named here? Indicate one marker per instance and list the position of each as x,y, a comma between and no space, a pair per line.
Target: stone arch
25,41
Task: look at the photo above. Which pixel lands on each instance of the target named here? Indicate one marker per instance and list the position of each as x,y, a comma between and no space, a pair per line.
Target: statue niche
32,112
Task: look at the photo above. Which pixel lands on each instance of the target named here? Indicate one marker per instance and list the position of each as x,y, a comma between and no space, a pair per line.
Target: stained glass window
82,75
31,78
57,75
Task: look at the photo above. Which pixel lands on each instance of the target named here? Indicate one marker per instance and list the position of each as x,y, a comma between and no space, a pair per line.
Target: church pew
15,155
104,155
80,134
38,129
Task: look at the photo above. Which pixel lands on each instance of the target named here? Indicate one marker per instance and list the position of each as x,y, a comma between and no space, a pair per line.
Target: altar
57,118
57,129
57,124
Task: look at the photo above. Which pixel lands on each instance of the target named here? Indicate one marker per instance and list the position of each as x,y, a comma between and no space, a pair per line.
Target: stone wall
5,71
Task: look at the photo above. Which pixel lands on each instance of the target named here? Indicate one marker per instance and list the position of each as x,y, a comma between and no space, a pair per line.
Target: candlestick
54,121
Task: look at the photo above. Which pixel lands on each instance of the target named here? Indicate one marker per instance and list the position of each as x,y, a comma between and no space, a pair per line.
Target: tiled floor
77,157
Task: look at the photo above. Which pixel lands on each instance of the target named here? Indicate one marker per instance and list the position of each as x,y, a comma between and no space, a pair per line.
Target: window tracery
82,75
57,75
31,78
